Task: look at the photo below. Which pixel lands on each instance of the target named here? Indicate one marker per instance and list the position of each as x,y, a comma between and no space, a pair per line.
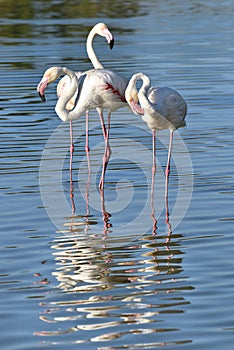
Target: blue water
119,271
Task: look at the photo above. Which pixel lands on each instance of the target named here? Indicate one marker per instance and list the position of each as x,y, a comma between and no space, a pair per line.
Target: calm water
73,276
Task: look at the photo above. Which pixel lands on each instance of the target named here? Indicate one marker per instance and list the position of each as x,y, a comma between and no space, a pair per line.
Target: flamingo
111,93
161,108
95,89
102,30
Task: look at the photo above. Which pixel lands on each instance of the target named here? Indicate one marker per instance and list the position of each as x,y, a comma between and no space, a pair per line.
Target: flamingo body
160,107
168,109
96,88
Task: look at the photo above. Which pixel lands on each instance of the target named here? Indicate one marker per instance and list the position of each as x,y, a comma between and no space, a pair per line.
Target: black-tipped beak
111,43
42,97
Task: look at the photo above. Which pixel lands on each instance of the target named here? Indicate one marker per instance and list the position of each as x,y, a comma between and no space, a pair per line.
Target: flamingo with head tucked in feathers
160,107
96,89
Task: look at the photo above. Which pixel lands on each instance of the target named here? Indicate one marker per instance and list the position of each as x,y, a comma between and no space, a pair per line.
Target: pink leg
108,149
152,183
154,152
107,152
167,172
71,182
71,149
87,133
100,112
87,188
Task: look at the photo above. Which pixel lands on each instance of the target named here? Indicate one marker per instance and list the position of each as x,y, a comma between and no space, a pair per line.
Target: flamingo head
132,99
102,29
49,76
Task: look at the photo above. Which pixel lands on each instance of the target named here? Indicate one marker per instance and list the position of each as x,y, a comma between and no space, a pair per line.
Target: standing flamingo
95,89
160,107
102,30
111,93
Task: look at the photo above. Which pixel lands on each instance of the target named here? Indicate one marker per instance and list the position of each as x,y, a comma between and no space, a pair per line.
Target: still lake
117,271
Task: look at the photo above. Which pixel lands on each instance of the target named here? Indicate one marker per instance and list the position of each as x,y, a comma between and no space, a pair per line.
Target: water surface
117,271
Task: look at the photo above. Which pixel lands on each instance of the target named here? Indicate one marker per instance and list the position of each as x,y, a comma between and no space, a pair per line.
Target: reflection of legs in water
72,197
167,220
105,214
74,225
154,228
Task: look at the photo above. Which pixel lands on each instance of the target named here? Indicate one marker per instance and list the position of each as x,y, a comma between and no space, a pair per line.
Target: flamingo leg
71,158
154,153
108,149
152,182
87,133
71,149
107,152
87,188
167,172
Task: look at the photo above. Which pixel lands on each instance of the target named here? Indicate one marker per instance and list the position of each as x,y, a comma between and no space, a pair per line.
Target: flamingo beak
109,37
42,97
41,88
136,108
111,43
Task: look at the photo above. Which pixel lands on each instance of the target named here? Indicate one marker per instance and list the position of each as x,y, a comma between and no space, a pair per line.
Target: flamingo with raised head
102,30
95,89
160,107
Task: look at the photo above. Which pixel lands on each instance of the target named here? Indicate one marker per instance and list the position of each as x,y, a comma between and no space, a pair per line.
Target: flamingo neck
143,93
60,108
90,51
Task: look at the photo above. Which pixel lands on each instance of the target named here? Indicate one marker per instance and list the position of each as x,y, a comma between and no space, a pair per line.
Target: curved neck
142,94
60,107
90,51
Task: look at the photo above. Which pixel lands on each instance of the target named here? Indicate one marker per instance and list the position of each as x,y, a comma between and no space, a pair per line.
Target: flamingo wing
168,103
